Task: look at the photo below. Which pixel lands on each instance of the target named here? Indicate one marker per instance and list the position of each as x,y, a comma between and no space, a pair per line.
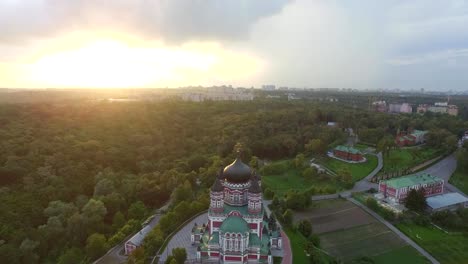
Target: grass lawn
460,180
407,158
446,248
293,180
402,255
298,241
358,170
277,260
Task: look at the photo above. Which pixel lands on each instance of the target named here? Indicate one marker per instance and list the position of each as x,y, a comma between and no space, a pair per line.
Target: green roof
411,180
254,240
214,239
419,132
348,149
234,224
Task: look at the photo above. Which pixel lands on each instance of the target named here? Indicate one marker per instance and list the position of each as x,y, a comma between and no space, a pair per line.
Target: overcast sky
304,43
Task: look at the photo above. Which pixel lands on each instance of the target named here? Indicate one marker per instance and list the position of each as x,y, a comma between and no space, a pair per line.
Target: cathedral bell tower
217,196
254,196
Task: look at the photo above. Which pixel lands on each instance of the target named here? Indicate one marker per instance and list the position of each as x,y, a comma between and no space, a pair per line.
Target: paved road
396,231
444,169
287,253
113,256
182,239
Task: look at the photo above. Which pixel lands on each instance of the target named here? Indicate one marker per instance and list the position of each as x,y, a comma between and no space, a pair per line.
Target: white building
447,201
136,240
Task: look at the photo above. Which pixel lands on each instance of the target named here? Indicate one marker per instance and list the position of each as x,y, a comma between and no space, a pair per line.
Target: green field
298,241
366,240
460,180
408,158
358,170
293,180
446,248
402,255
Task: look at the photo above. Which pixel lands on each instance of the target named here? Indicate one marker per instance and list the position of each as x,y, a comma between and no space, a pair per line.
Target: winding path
444,170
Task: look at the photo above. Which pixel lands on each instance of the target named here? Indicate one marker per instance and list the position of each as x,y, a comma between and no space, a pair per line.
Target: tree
268,194
309,173
183,193
288,217
118,220
104,187
305,227
345,176
180,255
96,245
450,143
416,200
137,210
299,161
385,145
71,256
372,204
315,146
254,162
94,211
27,248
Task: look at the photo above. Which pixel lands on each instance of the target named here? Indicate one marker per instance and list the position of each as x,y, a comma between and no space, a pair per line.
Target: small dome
217,186
237,172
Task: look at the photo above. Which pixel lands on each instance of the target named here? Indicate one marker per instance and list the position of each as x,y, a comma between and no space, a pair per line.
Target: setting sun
107,62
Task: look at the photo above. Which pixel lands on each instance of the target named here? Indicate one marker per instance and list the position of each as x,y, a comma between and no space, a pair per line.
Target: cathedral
238,229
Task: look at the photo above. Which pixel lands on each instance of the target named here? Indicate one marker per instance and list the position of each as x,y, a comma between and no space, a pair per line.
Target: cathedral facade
238,229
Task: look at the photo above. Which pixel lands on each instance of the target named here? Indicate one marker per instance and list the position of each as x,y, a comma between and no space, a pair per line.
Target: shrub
275,168
305,227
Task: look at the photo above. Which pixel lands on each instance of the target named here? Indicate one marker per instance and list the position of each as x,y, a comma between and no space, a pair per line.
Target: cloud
313,43
449,56
175,21
320,44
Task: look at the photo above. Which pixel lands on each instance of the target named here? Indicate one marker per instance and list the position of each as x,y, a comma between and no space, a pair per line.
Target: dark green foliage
68,168
372,204
71,256
275,168
305,227
309,173
288,217
268,194
416,200
137,210
297,200
457,221
180,255
385,213
96,246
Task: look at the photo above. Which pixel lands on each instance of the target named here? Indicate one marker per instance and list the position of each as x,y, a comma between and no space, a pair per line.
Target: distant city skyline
406,45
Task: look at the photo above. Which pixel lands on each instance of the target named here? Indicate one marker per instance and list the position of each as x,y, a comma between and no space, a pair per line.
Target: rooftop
234,224
419,132
411,180
444,200
137,239
348,149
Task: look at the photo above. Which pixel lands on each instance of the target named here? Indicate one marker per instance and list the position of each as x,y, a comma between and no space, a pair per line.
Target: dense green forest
77,177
